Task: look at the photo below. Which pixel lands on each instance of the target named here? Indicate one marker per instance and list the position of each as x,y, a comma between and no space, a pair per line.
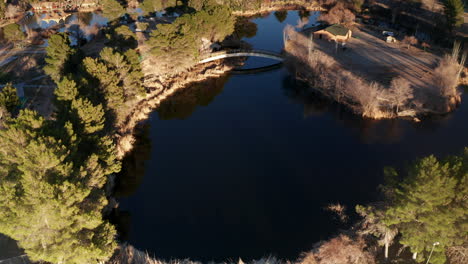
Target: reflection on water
182,104
368,130
82,26
249,173
245,28
47,20
133,165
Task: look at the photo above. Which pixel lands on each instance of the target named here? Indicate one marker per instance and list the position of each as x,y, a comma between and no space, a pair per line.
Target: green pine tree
13,32
90,116
156,5
50,204
178,45
2,9
8,98
112,9
429,206
109,83
58,54
454,11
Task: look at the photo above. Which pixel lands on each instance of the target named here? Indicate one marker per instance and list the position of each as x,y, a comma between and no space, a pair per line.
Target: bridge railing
234,51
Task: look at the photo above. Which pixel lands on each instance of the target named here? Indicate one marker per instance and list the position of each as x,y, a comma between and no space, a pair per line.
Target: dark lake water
243,166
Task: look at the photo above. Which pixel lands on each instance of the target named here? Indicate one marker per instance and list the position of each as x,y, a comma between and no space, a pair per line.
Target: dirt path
370,57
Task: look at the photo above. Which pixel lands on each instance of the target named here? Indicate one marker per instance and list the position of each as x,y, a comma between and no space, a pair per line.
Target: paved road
24,51
22,259
7,60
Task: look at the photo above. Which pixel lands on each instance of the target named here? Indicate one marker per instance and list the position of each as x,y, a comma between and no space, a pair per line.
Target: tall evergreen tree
72,107
58,54
2,9
13,32
109,83
112,9
454,11
49,204
8,98
119,76
178,45
430,206
156,5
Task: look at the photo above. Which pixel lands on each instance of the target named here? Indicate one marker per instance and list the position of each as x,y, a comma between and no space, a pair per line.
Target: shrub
13,32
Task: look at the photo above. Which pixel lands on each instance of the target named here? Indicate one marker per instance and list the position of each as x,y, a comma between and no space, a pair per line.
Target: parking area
368,55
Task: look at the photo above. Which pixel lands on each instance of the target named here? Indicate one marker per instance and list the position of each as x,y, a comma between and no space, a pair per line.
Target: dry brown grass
464,77
127,254
339,250
401,90
458,254
446,77
339,210
338,14
323,73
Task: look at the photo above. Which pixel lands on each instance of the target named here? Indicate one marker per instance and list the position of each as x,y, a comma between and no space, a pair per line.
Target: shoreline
159,90
281,6
323,73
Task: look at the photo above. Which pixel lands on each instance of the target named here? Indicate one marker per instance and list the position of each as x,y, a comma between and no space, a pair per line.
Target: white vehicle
388,33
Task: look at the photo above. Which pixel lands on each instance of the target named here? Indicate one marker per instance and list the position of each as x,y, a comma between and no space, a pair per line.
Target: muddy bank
159,89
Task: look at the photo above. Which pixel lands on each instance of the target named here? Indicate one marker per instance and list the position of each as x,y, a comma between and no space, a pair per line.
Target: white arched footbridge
241,53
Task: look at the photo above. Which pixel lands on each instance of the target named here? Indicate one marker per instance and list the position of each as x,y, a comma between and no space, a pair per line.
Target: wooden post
386,250
311,46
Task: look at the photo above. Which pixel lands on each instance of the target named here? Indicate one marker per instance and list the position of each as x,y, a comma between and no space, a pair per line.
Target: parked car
388,33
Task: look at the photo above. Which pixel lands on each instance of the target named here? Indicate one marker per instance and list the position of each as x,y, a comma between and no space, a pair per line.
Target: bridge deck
241,53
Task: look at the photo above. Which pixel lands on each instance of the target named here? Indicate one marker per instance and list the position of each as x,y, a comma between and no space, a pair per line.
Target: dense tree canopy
8,98
53,172
454,11
13,32
119,77
242,5
122,38
2,9
181,41
156,5
429,205
112,9
52,202
58,53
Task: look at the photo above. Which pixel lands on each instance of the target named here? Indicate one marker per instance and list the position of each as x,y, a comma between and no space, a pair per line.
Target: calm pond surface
243,165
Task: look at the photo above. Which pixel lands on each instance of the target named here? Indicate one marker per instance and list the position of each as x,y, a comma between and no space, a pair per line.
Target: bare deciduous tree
446,75
400,92
339,210
12,11
339,14
367,95
425,45
458,254
372,224
343,250
410,40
